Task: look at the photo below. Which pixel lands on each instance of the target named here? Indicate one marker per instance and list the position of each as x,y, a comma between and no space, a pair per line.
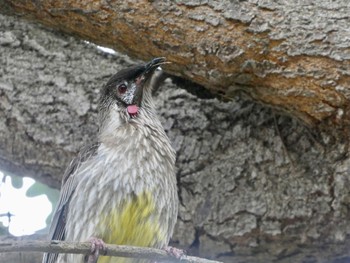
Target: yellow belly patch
135,223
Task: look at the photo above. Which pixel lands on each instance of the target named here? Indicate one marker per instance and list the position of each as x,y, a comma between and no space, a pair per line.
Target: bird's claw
97,246
175,252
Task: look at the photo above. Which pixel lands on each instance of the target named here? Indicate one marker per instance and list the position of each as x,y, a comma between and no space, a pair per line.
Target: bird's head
128,93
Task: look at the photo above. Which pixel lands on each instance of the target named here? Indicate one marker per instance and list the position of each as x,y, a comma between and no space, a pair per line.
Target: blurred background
25,205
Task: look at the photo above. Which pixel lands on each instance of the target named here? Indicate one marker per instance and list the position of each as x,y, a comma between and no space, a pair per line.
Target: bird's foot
175,252
97,246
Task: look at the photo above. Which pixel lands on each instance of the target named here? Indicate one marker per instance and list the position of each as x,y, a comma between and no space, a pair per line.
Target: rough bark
292,55
254,186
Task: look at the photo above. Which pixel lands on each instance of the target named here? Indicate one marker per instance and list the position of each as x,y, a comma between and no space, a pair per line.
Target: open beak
146,75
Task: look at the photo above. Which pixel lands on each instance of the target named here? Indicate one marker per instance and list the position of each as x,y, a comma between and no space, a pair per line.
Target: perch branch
55,246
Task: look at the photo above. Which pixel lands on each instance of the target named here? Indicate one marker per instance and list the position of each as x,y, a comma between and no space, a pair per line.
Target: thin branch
55,246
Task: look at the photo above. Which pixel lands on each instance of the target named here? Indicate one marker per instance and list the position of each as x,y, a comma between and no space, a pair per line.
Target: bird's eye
122,88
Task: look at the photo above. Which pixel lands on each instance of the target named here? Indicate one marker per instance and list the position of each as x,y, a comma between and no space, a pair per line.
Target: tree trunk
254,186
292,56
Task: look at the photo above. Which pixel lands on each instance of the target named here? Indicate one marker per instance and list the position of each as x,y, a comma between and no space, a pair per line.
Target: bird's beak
153,64
147,73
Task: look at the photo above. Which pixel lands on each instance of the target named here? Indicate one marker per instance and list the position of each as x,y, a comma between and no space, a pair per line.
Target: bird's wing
69,183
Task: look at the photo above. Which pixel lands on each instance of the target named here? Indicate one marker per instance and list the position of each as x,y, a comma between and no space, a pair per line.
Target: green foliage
3,230
36,189
52,194
16,181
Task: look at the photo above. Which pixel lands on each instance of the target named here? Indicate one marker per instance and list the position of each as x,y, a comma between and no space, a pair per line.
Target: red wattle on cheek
132,110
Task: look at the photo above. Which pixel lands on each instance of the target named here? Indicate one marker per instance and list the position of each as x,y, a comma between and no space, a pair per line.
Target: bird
121,189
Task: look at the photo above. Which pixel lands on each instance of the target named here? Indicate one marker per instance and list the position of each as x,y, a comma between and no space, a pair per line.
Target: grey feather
58,223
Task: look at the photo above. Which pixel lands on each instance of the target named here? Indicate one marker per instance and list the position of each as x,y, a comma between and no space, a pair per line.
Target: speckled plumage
123,189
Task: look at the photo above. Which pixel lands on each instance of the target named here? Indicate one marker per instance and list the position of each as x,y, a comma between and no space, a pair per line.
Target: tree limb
282,55
56,246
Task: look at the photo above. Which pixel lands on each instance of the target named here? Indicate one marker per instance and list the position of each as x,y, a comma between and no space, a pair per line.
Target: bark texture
292,55
254,186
